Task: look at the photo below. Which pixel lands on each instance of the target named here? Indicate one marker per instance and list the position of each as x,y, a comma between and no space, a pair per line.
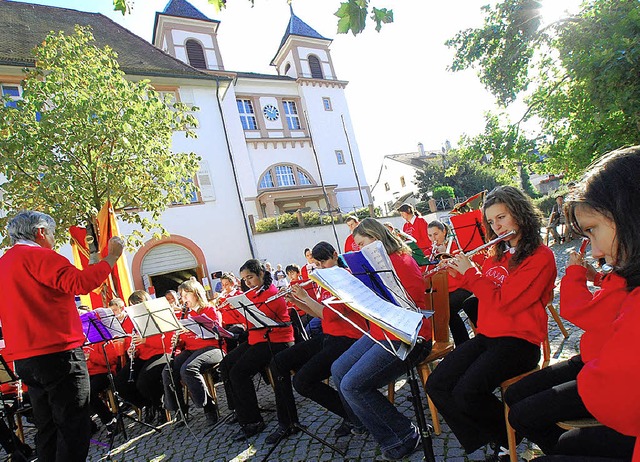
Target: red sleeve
57,272
410,277
608,385
530,281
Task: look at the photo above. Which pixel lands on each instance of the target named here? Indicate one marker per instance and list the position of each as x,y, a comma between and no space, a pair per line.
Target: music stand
156,317
8,376
102,326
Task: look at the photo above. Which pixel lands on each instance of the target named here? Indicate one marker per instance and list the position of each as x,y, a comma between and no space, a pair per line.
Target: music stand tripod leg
423,427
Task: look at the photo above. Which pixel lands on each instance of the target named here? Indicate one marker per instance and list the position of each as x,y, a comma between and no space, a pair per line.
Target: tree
352,14
578,76
83,134
465,175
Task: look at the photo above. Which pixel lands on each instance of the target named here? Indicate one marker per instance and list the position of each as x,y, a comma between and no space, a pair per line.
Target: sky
400,92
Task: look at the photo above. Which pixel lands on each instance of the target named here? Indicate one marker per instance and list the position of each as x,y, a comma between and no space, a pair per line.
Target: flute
471,253
287,291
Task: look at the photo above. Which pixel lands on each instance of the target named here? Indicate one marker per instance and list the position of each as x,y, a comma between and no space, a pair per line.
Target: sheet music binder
202,326
404,324
101,325
373,267
6,374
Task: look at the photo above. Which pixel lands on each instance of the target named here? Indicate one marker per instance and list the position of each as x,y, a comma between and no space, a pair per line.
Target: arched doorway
163,265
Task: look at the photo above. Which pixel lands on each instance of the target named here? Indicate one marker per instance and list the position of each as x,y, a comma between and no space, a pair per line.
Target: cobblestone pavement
201,443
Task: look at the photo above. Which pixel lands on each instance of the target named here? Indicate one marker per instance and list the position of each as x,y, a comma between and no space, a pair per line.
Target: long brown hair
526,215
372,229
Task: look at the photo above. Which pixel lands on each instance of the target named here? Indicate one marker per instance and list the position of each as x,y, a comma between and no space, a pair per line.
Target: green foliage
99,137
545,203
580,73
423,207
290,220
466,174
363,212
443,192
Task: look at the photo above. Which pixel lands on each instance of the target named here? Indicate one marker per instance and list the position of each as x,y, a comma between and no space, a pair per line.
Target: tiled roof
23,26
183,9
297,26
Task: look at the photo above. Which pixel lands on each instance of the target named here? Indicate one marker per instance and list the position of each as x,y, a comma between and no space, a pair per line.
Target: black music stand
156,317
102,326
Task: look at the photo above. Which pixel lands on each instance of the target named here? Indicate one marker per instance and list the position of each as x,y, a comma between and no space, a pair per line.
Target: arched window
195,54
287,68
316,68
285,176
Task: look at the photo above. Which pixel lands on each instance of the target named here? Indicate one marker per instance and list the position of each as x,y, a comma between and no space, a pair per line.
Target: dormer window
316,68
195,54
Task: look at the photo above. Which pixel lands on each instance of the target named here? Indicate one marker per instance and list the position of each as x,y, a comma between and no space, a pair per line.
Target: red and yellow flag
119,282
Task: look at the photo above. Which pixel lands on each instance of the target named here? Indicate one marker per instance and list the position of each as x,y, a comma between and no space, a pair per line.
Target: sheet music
247,308
201,325
402,323
110,322
153,317
376,255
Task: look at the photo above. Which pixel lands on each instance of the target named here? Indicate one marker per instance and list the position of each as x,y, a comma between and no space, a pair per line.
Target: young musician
143,386
443,242
312,359
196,356
309,267
602,381
231,319
416,227
513,289
349,244
367,366
240,365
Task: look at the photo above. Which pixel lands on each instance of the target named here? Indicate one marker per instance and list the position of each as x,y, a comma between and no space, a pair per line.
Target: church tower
185,33
303,53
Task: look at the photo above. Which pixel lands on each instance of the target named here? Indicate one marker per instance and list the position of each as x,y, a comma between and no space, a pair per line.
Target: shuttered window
196,55
316,68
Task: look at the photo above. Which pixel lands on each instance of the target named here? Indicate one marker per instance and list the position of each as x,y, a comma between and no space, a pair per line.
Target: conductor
43,332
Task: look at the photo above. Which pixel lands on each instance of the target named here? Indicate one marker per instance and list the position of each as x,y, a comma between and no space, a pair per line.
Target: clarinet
176,336
132,354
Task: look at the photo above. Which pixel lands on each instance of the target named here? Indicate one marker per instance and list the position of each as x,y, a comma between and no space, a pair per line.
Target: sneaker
249,430
404,450
112,427
280,433
343,430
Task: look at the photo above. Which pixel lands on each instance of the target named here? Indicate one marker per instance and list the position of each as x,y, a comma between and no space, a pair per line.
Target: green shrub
442,192
423,208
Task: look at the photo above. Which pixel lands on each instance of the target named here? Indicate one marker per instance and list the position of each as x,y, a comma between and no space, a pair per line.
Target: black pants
146,388
578,459
237,370
550,395
462,386
456,324
311,360
99,383
59,392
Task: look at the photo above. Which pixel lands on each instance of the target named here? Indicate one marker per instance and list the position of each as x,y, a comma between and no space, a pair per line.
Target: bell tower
185,33
303,52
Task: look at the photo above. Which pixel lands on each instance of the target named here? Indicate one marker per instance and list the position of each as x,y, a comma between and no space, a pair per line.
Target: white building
396,182
269,143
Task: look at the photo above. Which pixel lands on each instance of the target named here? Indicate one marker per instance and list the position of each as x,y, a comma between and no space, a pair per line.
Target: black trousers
311,360
146,388
458,328
59,392
99,383
462,386
550,395
237,370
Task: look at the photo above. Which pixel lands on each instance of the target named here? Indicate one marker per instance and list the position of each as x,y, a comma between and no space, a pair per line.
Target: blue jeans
188,367
358,374
59,392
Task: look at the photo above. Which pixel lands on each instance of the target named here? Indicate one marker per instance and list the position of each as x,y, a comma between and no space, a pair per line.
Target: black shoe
280,434
343,430
211,413
112,427
150,414
233,419
249,430
18,456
